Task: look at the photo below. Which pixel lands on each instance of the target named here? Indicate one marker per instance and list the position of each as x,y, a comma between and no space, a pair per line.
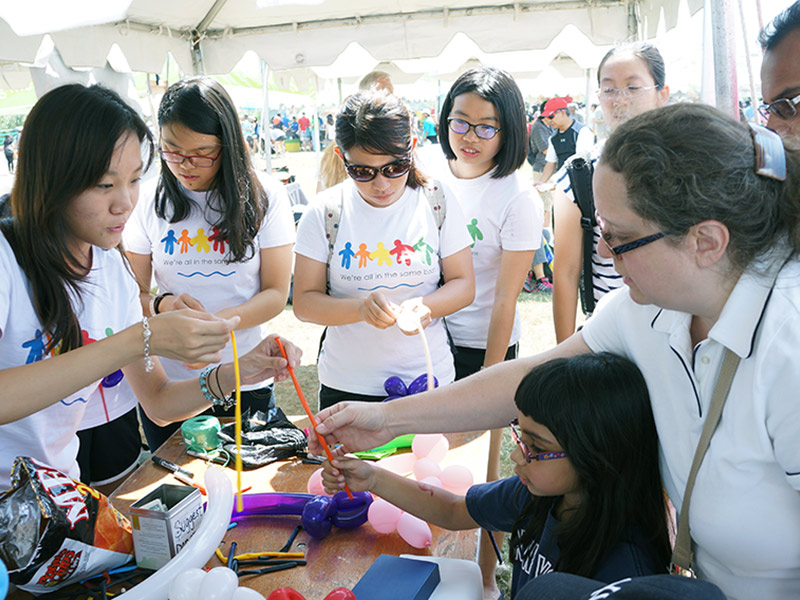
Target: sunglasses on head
393,170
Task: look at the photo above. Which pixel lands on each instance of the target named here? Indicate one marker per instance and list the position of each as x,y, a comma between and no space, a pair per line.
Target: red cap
553,105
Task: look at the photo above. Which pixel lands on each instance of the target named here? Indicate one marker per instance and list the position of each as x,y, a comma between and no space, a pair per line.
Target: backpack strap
434,194
580,173
333,215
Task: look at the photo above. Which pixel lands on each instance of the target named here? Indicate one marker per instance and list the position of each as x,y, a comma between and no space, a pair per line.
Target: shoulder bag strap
682,555
333,215
580,173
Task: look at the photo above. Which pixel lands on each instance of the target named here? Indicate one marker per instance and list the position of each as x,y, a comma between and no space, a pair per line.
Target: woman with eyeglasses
701,216
383,242
586,496
215,235
484,141
632,81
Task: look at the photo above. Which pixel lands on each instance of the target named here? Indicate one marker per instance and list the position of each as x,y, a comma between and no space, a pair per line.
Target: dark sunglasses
393,170
460,126
784,108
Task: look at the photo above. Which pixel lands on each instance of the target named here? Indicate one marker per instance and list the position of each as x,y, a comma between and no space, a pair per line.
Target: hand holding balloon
413,315
377,311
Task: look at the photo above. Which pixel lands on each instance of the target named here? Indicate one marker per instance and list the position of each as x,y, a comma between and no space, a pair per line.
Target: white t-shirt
394,250
110,303
583,144
187,259
501,214
604,276
745,509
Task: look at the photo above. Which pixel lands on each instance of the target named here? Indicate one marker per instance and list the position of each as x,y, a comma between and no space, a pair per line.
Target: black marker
171,466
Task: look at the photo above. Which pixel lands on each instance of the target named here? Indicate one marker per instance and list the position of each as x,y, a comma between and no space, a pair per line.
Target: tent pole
315,128
725,83
753,102
266,122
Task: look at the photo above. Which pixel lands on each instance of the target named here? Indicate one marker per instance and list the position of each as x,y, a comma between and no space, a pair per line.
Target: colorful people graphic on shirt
35,348
347,254
169,241
382,255
363,254
185,241
216,237
425,250
200,241
402,252
476,233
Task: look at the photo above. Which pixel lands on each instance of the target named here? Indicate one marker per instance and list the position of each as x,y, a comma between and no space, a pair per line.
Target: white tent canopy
211,36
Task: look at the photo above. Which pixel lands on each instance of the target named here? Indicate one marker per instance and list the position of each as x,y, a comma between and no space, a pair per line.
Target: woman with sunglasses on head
216,236
586,497
483,143
632,81
69,306
371,248
701,216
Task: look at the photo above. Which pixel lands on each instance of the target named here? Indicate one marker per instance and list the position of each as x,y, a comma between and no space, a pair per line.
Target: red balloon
286,593
341,594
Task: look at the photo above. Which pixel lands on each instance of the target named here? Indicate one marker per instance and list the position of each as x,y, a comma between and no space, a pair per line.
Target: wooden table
341,558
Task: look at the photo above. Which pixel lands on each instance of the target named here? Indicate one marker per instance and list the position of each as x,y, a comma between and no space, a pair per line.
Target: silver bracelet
148,360
153,306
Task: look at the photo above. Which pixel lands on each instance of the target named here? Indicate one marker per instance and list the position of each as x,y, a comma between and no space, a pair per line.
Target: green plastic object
401,441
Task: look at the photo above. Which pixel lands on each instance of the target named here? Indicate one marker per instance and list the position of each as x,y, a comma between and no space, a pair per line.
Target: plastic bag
55,530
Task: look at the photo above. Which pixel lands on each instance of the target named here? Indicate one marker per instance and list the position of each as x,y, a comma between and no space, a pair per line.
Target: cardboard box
158,535
395,578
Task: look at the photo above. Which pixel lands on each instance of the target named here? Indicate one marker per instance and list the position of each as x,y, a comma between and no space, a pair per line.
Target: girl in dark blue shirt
586,497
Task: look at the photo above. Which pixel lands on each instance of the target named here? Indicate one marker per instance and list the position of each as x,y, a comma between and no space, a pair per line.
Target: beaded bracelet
148,360
153,306
225,402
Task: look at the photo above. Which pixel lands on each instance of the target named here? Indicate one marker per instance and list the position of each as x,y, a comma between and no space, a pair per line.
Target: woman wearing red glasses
380,242
216,236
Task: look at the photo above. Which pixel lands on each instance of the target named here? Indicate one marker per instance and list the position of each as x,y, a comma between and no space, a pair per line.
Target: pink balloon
383,516
433,480
414,531
402,464
456,479
425,467
430,445
314,485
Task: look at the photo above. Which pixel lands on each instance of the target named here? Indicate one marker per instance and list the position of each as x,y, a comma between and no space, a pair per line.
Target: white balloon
244,593
186,585
219,584
198,549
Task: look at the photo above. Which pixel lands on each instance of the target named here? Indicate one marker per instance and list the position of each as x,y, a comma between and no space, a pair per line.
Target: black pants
470,360
330,396
261,399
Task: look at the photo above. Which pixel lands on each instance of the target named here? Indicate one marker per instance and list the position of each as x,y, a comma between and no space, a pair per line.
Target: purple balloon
351,512
395,386
317,516
110,381
420,384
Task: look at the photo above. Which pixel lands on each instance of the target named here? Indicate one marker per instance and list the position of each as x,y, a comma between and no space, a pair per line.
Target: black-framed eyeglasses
460,126
196,161
393,170
783,108
617,251
526,453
